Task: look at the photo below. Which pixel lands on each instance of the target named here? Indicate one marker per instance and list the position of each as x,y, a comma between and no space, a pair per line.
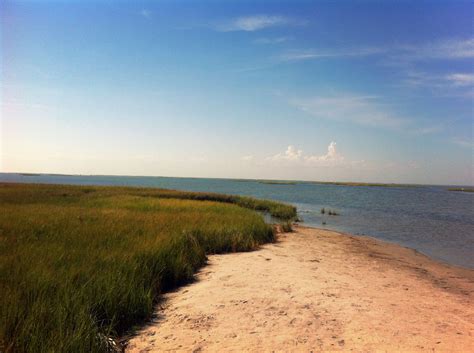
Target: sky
375,91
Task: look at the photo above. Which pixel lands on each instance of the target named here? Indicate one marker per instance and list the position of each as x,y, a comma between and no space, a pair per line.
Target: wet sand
317,290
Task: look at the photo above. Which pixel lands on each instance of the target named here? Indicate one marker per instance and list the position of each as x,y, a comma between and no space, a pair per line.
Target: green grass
286,227
462,189
82,263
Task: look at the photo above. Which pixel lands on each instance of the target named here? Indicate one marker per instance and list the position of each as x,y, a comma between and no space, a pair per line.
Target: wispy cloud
458,84
428,130
453,48
253,23
464,143
447,49
145,13
274,40
299,55
461,79
362,110
247,158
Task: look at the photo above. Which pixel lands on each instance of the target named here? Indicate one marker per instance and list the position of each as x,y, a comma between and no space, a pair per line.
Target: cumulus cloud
362,110
291,154
331,158
252,23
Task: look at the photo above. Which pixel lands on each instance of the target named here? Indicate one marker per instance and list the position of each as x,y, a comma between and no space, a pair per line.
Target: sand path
317,290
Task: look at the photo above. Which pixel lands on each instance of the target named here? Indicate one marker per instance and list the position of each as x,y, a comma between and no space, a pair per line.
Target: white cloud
464,143
459,84
362,110
332,158
461,79
276,40
428,130
252,23
145,13
396,54
443,49
248,158
291,154
324,54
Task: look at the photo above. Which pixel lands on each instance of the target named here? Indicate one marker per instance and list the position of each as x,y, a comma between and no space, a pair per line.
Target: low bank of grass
462,189
79,264
384,185
277,182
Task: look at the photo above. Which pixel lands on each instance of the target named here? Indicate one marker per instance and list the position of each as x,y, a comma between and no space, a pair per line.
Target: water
430,219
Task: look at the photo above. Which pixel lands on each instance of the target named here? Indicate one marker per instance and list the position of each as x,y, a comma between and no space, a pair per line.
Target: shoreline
317,289
384,241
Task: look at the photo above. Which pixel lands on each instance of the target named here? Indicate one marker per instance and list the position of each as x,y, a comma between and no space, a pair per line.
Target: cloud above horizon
331,158
362,110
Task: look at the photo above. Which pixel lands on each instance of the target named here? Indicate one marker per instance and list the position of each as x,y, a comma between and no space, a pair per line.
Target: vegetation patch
462,189
286,227
340,183
81,264
276,182
329,212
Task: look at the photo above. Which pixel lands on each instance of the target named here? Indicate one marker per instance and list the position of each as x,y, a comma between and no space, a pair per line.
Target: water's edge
429,219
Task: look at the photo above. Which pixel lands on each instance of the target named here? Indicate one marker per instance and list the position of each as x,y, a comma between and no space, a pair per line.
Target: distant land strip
462,189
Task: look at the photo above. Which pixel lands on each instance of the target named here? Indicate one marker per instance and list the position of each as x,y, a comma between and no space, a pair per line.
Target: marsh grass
79,264
462,189
286,227
277,182
329,212
363,184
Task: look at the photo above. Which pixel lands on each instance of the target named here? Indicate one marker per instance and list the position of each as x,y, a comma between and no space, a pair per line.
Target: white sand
317,290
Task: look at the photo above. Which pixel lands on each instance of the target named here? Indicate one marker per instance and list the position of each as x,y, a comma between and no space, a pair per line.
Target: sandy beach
317,290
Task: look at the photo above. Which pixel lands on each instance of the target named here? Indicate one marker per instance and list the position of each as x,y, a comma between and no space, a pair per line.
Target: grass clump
286,227
81,264
329,212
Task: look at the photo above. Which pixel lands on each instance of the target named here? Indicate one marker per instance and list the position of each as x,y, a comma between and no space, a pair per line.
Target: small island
462,189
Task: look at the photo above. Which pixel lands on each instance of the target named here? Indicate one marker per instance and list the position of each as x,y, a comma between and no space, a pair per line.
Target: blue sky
321,90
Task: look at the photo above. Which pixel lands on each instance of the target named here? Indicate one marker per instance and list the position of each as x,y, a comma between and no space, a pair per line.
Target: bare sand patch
317,290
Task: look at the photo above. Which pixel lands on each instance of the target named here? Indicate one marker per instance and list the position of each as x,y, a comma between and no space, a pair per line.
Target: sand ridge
317,290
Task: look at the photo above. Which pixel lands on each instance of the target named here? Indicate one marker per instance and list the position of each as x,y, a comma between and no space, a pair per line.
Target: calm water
435,221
